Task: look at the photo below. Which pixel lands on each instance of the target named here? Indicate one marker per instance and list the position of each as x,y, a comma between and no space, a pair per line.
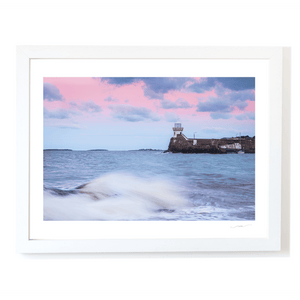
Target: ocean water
148,185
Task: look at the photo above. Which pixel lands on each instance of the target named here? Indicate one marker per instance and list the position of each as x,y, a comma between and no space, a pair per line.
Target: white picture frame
272,241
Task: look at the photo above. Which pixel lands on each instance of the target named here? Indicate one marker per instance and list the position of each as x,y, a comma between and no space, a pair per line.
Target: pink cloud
251,106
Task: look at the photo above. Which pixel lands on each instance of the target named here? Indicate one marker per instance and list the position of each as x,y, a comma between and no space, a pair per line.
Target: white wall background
133,22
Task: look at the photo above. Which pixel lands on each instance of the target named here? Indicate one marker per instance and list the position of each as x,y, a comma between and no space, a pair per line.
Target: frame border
25,53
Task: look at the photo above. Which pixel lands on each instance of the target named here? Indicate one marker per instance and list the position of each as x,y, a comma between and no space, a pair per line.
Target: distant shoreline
102,150
58,150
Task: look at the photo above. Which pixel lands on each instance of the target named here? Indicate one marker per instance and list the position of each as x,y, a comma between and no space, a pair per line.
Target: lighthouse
177,129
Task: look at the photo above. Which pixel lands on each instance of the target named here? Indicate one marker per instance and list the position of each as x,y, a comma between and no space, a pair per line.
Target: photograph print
149,149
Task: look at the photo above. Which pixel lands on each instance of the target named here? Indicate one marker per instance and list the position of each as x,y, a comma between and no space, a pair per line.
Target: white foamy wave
115,197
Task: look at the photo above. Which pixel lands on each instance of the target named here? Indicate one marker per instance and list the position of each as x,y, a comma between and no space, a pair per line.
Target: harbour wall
182,144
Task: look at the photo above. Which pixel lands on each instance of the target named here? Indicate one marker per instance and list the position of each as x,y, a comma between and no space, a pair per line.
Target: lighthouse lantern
177,129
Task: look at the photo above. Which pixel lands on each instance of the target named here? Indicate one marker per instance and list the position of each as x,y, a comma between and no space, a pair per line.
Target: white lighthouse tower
177,129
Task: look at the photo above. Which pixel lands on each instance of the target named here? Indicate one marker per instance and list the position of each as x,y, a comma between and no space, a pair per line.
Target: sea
148,186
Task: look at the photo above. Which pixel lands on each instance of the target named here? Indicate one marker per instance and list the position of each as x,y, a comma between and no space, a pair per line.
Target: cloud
90,106
231,83
119,81
154,87
52,93
226,101
246,116
206,84
214,105
242,95
156,84
165,84
58,113
133,114
217,115
150,94
167,104
237,83
179,103
241,105
171,117
87,106
110,99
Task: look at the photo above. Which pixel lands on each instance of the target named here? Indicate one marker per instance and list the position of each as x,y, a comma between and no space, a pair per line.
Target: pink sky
213,106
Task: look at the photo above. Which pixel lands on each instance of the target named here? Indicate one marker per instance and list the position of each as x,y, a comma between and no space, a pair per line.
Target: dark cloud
110,99
245,116
226,101
179,103
232,83
217,115
242,95
214,105
52,93
59,113
155,87
87,106
133,114
237,83
119,80
206,84
156,84
165,84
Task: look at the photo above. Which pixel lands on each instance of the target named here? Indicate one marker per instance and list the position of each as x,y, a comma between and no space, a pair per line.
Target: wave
115,196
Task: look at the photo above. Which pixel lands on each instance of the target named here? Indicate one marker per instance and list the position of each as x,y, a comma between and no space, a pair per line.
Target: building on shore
179,143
